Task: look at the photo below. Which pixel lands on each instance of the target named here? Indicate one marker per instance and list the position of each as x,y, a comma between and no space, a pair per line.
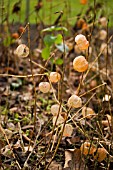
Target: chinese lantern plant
83,2
100,154
81,42
80,64
44,87
87,148
54,77
68,130
74,101
55,109
22,51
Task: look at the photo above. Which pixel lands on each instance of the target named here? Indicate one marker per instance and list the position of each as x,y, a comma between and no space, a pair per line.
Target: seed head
22,50
74,101
54,77
81,42
55,109
87,148
80,64
44,87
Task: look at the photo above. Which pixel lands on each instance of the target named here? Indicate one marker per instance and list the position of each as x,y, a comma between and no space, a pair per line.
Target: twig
20,132
59,140
21,76
35,143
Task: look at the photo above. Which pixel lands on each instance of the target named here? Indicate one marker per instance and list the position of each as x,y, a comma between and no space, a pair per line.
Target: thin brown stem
33,80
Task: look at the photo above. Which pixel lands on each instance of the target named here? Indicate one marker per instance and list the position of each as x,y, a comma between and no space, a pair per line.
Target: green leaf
59,39
59,61
46,53
62,47
49,29
5,111
61,29
49,40
54,28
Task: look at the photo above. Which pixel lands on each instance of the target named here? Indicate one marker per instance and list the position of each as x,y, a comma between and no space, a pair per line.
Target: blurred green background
46,13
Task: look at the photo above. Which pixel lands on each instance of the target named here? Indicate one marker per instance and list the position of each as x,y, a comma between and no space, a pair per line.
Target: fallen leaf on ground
73,160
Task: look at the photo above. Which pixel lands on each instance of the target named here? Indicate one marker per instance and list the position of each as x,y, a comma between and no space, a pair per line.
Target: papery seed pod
103,21
81,42
87,112
44,87
83,46
80,38
102,35
59,120
93,83
15,35
103,49
80,64
101,154
55,109
21,29
74,101
87,148
22,50
68,130
54,77
83,2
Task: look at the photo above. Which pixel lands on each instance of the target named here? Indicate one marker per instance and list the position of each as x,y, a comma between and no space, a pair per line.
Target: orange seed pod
44,87
15,35
87,148
102,35
54,77
81,42
100,154
83,2
80,64
21,29
103,21
74,101
68,130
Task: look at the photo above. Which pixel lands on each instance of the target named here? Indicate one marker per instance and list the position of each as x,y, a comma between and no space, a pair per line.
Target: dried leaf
73,160
8,133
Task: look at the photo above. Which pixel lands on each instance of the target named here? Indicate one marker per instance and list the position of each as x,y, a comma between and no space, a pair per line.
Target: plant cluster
60,99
